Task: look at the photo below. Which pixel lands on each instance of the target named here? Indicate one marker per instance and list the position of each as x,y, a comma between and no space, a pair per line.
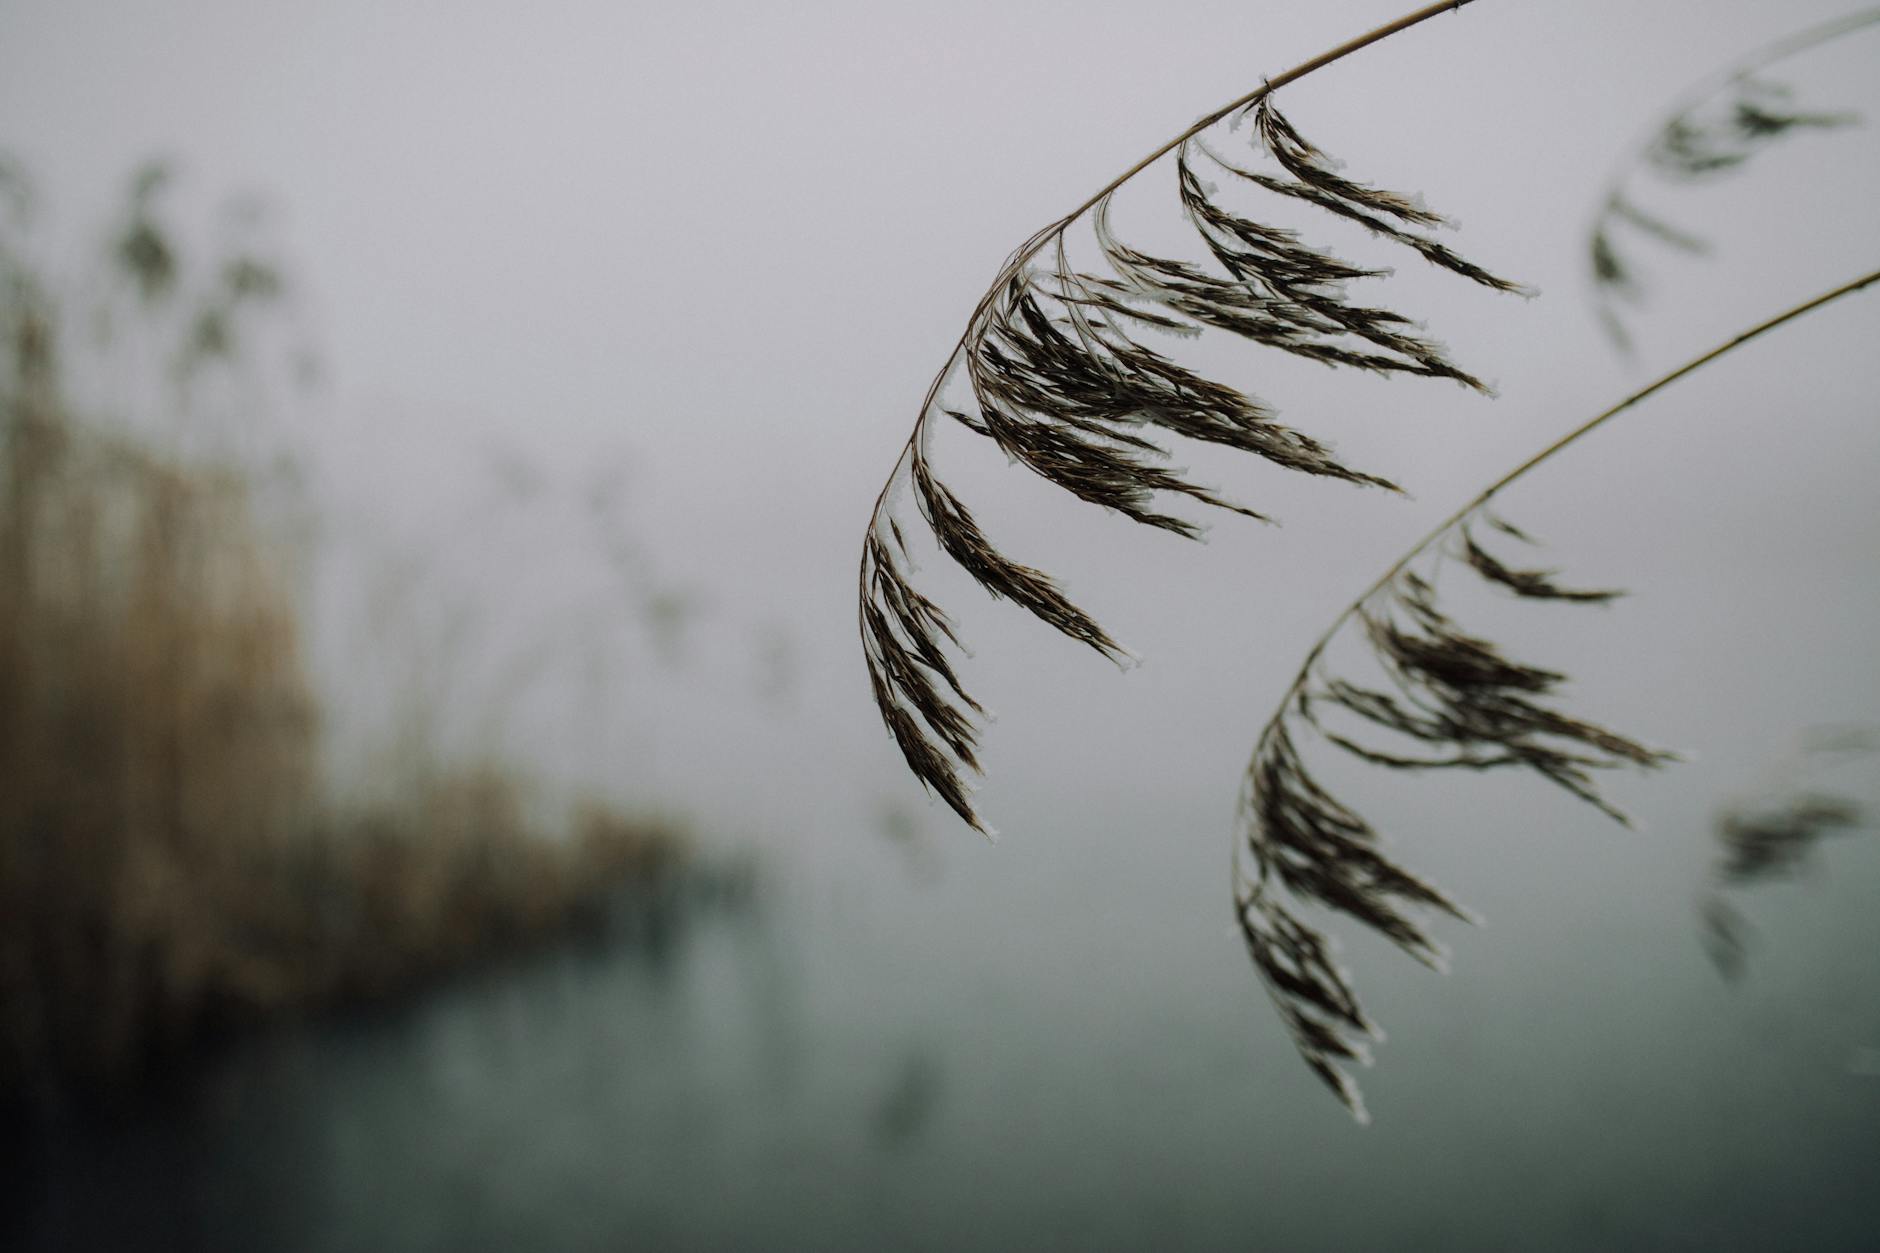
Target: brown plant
171,860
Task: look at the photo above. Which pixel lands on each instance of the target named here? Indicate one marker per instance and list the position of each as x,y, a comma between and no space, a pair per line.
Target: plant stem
1770,53
1694,97
1266,88
1031,247
1585,428
1036,243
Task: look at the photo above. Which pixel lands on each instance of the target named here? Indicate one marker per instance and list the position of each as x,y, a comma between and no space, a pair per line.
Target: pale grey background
729,243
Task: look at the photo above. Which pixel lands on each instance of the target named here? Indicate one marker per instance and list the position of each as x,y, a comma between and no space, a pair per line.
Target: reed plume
1715,129
1450,700
1771,833
1058,376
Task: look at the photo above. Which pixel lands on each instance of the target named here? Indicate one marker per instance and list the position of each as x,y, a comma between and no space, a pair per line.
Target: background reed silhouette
1772,832
1714,130
176,859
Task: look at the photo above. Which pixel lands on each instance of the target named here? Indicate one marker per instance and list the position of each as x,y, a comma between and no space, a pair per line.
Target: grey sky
731,242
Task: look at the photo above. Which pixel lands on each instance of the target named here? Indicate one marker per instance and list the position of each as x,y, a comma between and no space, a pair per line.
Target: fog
708,258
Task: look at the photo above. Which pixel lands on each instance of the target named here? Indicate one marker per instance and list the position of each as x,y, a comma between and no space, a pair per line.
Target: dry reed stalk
169,864
1062,382
1770,834
1459,703
1716,127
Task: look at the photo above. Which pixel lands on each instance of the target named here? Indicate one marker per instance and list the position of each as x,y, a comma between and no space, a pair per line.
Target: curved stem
1026,251
1776,50
1702,91
1486,494
1266,88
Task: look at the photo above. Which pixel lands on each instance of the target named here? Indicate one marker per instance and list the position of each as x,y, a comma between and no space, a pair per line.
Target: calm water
833,1067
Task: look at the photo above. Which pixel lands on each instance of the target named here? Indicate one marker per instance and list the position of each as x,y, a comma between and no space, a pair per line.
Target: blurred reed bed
172,863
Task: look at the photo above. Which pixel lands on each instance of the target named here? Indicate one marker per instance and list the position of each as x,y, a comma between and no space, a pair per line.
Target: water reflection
490,1114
